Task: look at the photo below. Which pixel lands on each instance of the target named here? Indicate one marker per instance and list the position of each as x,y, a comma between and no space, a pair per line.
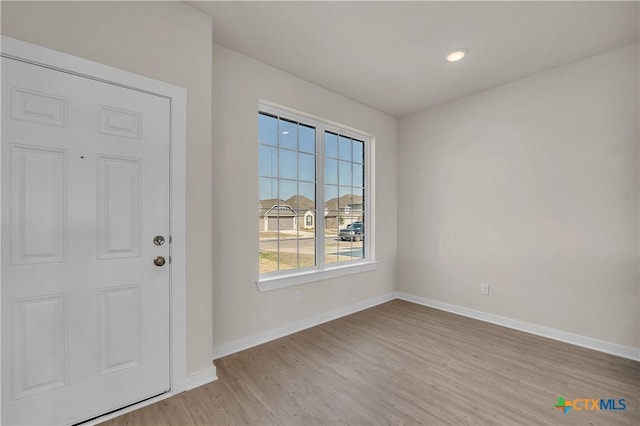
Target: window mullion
320,220
277,201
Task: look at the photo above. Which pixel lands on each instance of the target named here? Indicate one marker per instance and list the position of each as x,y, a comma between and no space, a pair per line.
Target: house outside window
308,165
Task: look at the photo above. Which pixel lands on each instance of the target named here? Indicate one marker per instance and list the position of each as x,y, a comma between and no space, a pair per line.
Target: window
287,170
308,166
344,196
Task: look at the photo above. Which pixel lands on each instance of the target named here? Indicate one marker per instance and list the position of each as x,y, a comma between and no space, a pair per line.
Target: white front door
85,190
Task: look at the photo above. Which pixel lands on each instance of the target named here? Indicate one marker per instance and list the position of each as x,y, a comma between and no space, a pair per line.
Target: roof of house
340,203
300,204
276,207
268,203
281,210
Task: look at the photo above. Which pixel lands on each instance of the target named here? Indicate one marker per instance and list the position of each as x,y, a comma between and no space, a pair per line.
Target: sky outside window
287,151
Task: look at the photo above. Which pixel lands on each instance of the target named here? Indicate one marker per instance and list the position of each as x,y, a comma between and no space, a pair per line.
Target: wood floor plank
402,363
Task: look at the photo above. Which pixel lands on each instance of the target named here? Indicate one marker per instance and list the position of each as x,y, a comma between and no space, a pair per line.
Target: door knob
159,261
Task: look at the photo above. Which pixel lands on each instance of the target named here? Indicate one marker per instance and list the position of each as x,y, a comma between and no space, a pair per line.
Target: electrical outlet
484,289
297,296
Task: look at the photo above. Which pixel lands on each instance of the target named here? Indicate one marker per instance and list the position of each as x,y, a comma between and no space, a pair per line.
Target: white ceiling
391,55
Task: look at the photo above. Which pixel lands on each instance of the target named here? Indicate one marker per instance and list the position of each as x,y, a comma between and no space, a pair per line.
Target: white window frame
322,271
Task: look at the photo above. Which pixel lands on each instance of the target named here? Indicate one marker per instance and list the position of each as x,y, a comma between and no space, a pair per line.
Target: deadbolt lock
158,240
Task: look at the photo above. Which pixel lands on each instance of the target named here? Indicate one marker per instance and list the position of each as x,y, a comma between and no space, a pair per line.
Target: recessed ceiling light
286,132
455,55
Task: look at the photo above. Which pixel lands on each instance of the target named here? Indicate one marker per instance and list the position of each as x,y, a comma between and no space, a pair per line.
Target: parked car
353,232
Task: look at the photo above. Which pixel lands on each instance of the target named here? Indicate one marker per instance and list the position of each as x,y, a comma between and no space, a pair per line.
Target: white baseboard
267,336
200,378
552,333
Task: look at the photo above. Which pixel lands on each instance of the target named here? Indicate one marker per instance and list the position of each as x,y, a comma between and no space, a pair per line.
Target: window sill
283,281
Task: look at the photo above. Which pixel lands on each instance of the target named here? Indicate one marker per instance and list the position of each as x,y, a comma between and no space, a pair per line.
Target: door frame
177,96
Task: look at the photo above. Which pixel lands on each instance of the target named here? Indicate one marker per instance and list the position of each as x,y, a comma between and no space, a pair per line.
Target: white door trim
177,96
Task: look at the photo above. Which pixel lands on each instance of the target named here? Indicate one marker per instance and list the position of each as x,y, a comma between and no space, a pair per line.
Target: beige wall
531,187
239,309
166,41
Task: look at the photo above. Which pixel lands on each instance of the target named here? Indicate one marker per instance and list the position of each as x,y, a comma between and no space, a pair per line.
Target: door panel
85,188
119,322
38,195
118,207
39,342
41,108
113,121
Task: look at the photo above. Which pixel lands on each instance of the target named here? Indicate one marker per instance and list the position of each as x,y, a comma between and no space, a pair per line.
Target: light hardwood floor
401,363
